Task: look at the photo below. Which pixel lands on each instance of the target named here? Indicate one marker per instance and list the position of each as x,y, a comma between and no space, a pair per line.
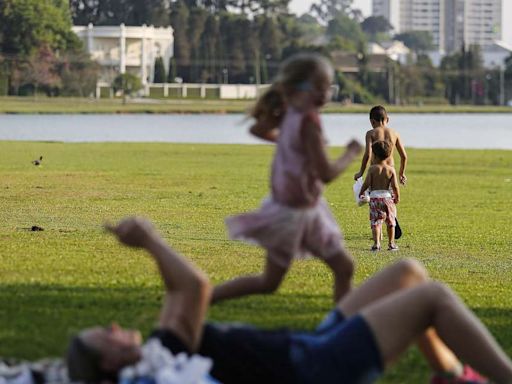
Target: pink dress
295,221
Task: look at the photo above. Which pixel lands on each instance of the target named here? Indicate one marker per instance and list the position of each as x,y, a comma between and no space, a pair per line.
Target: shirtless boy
380,178
381,132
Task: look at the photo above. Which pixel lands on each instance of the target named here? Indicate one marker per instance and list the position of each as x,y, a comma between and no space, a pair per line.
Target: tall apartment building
473,22
450,22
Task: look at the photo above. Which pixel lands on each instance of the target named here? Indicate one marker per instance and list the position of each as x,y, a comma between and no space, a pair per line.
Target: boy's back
381,176
382,134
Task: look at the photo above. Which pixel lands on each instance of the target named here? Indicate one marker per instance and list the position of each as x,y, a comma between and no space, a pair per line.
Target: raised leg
404,274
398,319
342,266
266,282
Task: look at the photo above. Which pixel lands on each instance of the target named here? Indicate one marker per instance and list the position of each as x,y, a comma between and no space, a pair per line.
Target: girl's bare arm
265,130
314,143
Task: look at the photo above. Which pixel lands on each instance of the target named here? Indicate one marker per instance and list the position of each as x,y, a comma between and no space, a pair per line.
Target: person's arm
366,155
367,182
187,288
394,186
327,170
265,130
403,159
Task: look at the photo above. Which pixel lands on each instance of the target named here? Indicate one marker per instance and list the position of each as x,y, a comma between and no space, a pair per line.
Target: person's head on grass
382,150
97,354
378,116
303,80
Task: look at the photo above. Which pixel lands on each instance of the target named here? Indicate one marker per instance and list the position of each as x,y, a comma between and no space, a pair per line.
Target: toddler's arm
366,184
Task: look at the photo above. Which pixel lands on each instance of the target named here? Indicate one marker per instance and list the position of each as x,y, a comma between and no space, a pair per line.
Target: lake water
470,131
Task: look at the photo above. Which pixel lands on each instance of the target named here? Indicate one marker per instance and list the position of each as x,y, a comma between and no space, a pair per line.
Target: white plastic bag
357,188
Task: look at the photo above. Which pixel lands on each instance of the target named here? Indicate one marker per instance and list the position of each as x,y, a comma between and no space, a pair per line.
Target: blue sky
301,6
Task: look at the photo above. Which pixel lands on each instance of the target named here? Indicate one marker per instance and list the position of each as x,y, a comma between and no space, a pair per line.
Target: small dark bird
37,162
36,228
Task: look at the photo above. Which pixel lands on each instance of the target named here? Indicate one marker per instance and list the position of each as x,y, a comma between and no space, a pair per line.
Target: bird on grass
37,162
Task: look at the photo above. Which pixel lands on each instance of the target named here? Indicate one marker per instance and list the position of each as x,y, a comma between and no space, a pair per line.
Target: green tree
508,78
79,75
196,25
271,43
114,12
40,71
128,83
160,75
418,41
210,47
463,76
326,10
27,25
182,49
347,32
234,64
173,70
375,26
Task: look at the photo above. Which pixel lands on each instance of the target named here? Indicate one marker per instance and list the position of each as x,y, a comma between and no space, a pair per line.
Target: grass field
42,105
454,214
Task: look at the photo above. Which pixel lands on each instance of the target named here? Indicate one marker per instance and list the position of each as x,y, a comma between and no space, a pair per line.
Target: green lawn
454,214
58,105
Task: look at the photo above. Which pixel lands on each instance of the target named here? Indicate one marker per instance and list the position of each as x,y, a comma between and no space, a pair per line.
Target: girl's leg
342,266
266,282
401,275
400,318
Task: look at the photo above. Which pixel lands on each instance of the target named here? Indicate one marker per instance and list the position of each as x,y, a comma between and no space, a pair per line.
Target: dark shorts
243,354
340,351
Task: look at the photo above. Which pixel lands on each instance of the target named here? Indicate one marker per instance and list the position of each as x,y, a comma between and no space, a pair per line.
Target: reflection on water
472,131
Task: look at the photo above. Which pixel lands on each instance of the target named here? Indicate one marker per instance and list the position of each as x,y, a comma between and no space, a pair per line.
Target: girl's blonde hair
295,74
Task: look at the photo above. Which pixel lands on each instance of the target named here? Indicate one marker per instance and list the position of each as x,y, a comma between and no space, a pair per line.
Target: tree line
235,41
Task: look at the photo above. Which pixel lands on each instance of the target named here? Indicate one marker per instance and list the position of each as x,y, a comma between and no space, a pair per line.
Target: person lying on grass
365,333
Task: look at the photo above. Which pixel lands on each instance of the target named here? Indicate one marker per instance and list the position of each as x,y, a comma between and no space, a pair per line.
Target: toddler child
380,178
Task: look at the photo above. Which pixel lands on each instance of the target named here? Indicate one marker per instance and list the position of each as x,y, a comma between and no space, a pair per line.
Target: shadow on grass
37,320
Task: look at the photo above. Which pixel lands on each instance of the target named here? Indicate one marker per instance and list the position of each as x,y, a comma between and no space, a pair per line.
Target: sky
302,6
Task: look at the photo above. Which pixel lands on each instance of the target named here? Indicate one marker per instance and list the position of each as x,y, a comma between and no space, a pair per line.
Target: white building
473,22
395,50
450,22
390,9
414,15
494,55
121,49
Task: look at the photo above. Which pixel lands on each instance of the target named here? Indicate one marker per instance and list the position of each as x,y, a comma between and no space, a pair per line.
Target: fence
191,91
